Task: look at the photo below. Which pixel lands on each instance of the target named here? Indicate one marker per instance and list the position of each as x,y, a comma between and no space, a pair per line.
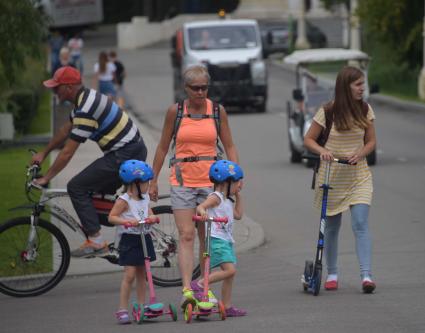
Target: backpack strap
216,114
179,116
177,122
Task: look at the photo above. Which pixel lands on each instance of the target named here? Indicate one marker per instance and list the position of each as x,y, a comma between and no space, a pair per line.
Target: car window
222,37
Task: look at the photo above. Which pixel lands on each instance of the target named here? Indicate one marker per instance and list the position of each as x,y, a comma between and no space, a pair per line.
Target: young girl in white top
129,209
226,176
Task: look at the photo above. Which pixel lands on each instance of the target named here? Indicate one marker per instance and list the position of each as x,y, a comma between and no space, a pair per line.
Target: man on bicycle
97,118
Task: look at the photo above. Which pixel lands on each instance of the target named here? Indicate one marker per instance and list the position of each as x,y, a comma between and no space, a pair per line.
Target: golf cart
315,73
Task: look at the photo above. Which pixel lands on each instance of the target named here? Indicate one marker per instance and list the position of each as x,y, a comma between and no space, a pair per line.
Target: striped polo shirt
99,119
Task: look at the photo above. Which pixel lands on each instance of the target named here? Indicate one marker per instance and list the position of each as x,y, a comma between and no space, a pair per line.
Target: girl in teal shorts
226,176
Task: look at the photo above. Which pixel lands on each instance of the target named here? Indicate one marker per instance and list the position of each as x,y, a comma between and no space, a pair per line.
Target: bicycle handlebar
197,218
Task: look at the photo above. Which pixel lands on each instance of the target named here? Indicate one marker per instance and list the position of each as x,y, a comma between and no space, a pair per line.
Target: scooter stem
207,261
152,297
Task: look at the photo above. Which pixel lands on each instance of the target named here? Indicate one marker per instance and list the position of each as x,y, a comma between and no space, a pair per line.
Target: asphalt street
277,195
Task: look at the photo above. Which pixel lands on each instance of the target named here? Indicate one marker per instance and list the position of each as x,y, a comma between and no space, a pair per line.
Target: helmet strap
139,193
229,184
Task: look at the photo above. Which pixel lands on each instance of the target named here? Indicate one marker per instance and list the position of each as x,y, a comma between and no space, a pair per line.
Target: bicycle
35,253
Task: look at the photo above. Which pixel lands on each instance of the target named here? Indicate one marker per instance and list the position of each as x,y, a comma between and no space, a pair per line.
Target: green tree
22,30
397,24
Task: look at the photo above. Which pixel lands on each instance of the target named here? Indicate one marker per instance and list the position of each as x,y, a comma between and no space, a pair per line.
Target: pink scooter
204,307
153,309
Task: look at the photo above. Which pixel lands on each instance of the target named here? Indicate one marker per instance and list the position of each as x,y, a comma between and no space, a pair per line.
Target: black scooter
312,277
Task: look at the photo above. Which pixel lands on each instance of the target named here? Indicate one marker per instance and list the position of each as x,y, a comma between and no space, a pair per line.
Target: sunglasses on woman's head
197,88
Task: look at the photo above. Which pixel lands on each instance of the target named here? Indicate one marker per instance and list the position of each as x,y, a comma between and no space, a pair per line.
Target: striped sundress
351,184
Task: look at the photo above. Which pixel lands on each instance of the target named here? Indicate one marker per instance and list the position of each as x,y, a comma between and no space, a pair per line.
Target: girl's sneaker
368,286
122,317
211,296
235,312
195,286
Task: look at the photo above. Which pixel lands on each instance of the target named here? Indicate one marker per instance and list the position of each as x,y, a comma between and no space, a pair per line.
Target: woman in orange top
196,150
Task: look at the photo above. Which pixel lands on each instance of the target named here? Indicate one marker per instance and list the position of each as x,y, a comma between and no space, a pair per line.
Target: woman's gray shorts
188,197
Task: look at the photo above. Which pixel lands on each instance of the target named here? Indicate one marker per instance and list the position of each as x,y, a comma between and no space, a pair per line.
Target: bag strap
324,135
177,122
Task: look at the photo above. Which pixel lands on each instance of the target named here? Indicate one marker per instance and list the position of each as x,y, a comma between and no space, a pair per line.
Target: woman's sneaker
368,286
122,317
331,285
187,297
235,312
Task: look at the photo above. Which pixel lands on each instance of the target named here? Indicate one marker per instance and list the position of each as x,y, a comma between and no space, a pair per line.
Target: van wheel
296,157
371,158
262,107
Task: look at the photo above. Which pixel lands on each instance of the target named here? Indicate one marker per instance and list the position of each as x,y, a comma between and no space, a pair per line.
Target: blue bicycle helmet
224,170
135,170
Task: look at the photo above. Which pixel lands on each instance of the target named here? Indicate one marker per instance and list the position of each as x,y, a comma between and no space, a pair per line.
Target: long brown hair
103,60
347,111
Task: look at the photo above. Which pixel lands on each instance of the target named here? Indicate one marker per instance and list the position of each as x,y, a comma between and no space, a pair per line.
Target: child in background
129,209
226,176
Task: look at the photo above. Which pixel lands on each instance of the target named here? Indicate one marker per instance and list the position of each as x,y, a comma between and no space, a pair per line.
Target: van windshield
222,37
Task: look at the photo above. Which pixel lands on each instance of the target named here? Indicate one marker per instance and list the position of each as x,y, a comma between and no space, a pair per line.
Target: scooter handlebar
317,158
147,220
197,218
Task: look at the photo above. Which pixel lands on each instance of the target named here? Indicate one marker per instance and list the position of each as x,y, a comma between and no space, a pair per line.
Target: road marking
402,159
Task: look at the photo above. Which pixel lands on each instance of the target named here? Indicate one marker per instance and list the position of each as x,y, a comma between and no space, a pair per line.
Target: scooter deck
156,307
205,306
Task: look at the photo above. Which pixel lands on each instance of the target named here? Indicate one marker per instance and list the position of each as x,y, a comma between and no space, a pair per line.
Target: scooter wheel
308,273
317,280
142,314
188,313
173,312
221,310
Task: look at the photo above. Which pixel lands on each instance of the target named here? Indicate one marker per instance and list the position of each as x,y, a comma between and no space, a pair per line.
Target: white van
232,52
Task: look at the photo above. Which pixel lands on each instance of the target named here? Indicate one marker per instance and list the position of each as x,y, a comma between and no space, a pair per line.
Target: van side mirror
297,95
374,88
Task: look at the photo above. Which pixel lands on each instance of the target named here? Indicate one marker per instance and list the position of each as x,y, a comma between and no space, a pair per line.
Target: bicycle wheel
25,272
165,269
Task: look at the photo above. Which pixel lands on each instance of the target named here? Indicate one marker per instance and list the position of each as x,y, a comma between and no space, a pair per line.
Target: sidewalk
247,233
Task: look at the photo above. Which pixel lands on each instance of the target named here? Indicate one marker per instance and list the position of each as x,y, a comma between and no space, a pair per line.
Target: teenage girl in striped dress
352,137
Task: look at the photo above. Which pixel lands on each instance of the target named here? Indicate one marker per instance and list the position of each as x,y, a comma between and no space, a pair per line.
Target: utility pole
421,80
301,42
354,27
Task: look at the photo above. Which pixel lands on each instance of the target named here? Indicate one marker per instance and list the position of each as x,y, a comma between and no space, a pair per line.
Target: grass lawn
12,180
42,120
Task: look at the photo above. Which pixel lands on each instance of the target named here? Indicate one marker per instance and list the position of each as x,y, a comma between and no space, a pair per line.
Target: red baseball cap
64,75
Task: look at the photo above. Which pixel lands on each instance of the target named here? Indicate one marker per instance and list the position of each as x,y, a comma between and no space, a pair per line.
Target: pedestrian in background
195,150
120,75
55,42
75,45
351,137
104,76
